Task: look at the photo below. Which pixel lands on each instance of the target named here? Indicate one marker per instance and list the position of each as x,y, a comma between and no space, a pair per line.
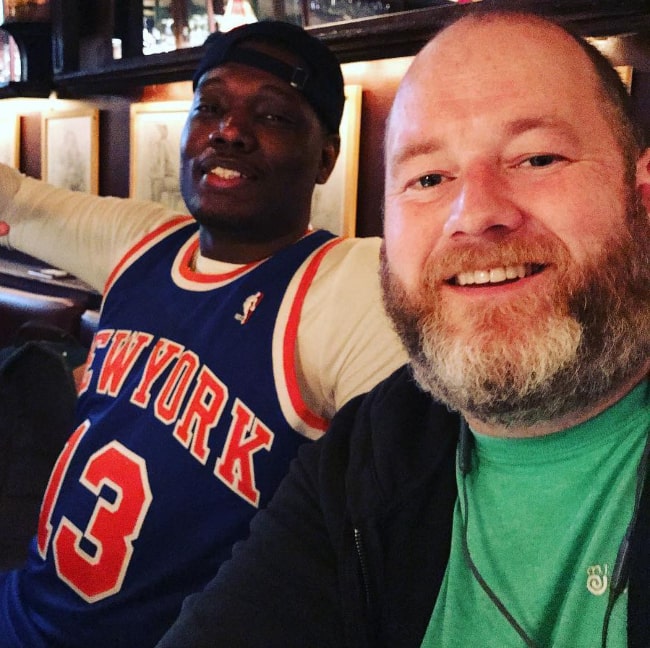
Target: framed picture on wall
10,139
334,204
70,149
155,151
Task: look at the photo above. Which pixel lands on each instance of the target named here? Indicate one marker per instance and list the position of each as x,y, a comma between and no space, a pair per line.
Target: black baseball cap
318,77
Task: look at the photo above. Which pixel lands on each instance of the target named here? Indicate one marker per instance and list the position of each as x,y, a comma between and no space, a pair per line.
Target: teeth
226,174
497,275
493,275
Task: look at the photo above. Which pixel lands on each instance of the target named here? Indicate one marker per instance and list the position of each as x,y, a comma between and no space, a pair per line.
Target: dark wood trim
399,34
118,77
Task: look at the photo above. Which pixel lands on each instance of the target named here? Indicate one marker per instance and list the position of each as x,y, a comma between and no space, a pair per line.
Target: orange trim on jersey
185,268
291,333
143,242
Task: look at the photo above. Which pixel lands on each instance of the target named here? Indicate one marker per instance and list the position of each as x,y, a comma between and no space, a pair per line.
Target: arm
280,588
346,343
82,233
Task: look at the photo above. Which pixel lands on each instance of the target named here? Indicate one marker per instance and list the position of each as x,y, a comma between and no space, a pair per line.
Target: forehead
474,69
245,80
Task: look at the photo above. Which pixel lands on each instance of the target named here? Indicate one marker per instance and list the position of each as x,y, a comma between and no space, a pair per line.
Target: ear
643,178
329,155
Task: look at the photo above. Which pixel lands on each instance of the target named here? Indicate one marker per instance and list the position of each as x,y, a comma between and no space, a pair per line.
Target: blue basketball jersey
188,418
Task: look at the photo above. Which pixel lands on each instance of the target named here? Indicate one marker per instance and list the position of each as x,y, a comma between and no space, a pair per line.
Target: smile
495,275
226,174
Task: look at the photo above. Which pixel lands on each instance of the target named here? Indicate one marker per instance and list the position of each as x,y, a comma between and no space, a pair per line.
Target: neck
550,426
229,249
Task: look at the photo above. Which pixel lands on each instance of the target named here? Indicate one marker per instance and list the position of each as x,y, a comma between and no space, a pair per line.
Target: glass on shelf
10,66
25,11
174,24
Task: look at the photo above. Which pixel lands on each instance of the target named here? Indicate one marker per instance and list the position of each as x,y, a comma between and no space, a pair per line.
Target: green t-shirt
546,518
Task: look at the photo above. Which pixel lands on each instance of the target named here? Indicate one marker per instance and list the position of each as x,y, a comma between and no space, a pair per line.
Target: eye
206,108
277,117
542,160
430,180
277,114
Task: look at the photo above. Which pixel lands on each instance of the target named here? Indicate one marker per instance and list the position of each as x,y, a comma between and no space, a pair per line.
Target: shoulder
184,227
382,447
395,422
397,402
362,252
350,269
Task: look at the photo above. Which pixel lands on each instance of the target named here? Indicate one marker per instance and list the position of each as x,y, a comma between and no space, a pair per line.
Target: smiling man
514,238
226,341
270,122
494,492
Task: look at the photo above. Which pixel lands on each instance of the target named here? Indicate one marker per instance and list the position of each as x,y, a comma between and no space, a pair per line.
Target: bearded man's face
516,252
543,354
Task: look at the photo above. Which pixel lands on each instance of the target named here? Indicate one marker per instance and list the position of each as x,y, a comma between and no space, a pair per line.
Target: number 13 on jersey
112,527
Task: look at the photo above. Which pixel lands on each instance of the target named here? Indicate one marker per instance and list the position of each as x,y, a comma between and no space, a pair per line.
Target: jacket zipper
361,554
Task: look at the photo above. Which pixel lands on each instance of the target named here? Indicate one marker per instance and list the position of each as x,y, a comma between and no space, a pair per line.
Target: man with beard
494,494
226,341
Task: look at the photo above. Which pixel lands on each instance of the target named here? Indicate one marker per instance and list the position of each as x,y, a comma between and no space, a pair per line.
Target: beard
539,357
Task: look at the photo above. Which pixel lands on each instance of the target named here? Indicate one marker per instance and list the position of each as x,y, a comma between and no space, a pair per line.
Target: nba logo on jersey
248,307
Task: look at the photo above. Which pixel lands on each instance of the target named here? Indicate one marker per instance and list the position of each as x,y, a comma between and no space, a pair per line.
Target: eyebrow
526,124
512,129
410,151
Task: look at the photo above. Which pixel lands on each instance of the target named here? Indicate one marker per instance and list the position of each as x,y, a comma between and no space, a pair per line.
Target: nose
230,131
484,205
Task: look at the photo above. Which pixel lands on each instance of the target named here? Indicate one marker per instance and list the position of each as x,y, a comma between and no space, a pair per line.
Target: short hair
615,93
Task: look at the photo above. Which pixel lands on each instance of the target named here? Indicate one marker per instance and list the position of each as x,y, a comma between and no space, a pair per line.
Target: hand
4,228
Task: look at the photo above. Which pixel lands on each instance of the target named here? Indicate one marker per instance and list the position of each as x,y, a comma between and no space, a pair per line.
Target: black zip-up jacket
352,550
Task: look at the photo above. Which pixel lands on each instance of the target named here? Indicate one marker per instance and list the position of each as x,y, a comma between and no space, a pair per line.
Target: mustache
537,250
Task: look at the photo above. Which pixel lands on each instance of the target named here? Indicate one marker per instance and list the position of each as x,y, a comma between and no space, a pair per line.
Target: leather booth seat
18,307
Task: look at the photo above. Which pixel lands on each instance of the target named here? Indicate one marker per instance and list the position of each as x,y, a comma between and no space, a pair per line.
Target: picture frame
334,204
70,149
155,133
10,139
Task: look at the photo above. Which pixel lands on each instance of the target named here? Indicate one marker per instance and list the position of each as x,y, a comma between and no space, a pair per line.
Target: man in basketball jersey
226,341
